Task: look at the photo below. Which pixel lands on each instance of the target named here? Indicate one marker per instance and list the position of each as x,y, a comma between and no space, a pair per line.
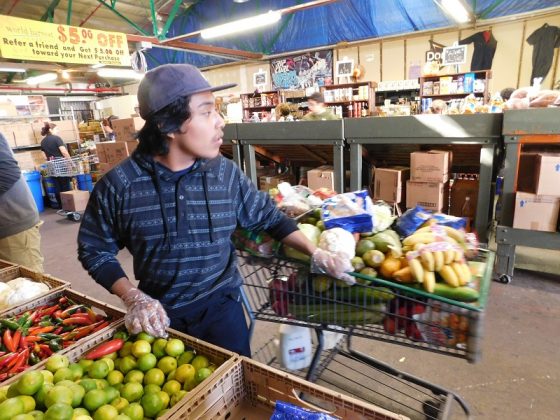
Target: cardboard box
115,152
539,173
23,134
126,128
321,177
103,168
432,196
75,200
268,182
131,146
389,184
461,189
535,212
30,160
431,166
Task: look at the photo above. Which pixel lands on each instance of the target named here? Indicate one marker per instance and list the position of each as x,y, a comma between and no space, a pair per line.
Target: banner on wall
302,71
26,39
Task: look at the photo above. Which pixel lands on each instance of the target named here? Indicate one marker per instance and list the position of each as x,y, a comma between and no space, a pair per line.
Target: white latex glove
144,314
333,264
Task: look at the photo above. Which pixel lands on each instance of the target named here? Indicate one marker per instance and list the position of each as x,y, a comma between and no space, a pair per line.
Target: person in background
108,129
317,109
53,147
438,107
20,240
174,204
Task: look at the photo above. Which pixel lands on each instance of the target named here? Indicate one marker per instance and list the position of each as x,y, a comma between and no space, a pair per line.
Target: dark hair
506,93
317,97
153,137
47,128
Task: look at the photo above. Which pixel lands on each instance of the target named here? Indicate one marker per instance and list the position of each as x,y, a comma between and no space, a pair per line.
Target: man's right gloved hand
144,314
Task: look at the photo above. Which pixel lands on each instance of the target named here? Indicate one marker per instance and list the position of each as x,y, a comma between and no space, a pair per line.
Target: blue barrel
50,189
85,182
33,179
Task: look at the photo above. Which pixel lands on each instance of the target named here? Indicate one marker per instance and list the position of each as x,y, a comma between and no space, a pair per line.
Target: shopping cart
70,167
283,291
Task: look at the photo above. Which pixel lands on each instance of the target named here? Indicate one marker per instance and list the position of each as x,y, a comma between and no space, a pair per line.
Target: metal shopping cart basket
283,291
70,167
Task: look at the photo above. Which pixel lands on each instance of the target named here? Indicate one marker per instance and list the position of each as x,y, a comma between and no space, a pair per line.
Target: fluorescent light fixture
457,10
12,70
97,66
47,77
242,25
120,74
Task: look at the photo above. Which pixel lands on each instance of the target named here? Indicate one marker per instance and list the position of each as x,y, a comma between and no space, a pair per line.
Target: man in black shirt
53,147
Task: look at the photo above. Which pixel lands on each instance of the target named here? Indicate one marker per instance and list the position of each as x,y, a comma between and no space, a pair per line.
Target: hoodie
176,225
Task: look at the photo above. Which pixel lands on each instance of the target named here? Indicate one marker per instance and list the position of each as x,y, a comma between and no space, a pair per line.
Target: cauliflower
312,233
338,240
20,290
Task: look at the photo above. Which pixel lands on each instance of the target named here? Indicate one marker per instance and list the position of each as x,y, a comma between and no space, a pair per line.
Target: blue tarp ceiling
344,20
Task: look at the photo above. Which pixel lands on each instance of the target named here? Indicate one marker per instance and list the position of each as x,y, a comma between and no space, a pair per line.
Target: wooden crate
5,265
11,273
114,314
250,389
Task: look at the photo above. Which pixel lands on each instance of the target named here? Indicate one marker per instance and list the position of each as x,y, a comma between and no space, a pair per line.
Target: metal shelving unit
318,141
520,128
230,145
480,129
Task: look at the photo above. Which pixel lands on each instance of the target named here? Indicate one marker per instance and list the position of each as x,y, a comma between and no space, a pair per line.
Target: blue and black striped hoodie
177,226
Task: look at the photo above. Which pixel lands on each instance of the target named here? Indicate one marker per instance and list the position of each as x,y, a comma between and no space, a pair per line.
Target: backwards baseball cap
167,83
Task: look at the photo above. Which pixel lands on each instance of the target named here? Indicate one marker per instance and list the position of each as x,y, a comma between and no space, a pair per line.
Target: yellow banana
459,256
455,234
449,276
438,260
423,238
429,281
418,246
467,271
448,256
463,279
427,260
404,275
416,269
405,249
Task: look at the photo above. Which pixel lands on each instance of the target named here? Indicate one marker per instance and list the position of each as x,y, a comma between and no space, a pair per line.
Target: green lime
145,336
151,388
132,391
171,387
77,371
202,374
199,362
141,347
152,404
30,382
158,347
134,411
98,370
146,362
94,399
110,394
59,412
115,377
154,376
174,347
58,395
88,384
105,412
134,376
167,364
56,361
11,408
186,357
119,403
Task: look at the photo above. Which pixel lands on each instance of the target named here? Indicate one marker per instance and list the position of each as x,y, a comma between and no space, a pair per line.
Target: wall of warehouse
390,59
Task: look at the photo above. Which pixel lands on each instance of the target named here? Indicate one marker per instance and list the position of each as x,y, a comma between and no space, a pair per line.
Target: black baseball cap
166,83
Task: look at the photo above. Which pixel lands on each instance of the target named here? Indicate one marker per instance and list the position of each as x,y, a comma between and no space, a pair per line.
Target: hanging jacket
177,226
484,49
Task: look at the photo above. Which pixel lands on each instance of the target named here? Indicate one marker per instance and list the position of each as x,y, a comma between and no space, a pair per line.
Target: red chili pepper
23,341
76,320
99,317
2,353
92,315
3,376
67,343
32,339
57,314
58,330
19,361
41,330
105,349
101,326
50,310
4,360
16,338
46,350
8,342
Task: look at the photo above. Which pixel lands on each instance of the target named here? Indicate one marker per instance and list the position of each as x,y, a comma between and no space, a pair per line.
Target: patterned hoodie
176,225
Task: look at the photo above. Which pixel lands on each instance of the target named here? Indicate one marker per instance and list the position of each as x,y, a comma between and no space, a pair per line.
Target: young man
20,240
174,205
317,109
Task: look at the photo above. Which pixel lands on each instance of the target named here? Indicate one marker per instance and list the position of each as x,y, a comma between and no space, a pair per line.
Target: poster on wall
302,71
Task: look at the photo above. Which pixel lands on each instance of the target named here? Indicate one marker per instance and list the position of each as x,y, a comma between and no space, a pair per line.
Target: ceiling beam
14,4
171,18
215,50
69,13
90,15
123,17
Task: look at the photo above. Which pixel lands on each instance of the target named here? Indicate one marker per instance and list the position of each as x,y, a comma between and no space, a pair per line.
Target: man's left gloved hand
333,264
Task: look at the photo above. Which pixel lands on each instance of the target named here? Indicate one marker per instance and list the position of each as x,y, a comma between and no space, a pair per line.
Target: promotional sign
454,55
302,71
25,39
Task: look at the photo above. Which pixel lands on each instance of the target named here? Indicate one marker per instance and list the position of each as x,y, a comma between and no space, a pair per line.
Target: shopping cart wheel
76,217
504,278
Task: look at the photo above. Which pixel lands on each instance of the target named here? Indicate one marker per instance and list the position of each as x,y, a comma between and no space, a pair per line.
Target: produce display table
522,128
479,129
304,142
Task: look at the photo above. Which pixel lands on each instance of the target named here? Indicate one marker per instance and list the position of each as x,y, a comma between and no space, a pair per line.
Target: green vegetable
338,314
461,294
9,324
360,295
55,344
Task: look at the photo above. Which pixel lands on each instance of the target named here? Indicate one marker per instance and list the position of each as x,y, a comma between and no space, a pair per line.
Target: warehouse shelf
522,128
230,145
449,130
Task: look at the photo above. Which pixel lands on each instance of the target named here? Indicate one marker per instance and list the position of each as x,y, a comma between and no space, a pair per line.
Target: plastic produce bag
350,211
287,411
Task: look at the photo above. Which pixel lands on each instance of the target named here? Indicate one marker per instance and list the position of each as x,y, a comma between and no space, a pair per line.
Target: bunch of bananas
435,249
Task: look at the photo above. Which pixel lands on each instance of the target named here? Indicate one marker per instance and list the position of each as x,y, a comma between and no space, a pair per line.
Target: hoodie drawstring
157,184
210,226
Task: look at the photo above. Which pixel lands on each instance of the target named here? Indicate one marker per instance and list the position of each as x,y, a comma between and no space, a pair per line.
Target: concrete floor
517,378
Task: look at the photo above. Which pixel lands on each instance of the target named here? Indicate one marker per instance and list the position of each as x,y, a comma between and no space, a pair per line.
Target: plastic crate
114,314
11,273
222,358
249,390
4,265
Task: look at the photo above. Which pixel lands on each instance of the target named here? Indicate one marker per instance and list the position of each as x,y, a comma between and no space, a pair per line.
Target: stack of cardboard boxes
429,175
389,184
537,202
29,133
111,153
